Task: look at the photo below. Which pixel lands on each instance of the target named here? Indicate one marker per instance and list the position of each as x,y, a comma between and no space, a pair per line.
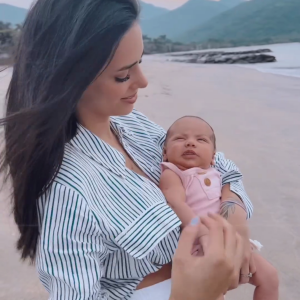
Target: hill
232,3
186,17
12,14
149,11
251,22
16,15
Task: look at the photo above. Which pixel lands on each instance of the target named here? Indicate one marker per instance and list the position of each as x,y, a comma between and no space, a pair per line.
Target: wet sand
256,117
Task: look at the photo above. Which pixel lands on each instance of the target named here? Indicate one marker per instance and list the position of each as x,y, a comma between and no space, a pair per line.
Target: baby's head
190,143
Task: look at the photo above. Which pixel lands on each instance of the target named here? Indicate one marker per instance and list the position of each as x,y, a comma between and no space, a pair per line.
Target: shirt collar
99,151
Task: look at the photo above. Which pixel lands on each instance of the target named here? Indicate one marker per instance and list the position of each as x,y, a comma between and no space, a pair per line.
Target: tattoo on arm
227,208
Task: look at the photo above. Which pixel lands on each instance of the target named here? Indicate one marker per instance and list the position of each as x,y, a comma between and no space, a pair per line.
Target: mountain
12,14
149,11
232,3
176,22
251,22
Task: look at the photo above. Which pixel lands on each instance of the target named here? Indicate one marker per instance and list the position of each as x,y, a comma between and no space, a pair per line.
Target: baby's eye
179,138
202,140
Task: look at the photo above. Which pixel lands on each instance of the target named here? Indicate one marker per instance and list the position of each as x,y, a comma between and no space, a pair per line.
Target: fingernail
195,221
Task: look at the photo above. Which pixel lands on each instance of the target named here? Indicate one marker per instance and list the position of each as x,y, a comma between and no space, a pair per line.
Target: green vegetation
252,22
8,40
162,44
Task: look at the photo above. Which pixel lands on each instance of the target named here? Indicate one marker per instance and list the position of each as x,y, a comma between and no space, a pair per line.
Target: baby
192,186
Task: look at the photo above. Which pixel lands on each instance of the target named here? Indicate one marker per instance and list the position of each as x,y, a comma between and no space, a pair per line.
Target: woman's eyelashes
118,79
124,79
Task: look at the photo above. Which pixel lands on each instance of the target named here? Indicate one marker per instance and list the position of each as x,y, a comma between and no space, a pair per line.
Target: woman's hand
248,265
206,277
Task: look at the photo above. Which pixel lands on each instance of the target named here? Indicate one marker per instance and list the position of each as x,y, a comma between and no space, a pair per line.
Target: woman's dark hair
63,46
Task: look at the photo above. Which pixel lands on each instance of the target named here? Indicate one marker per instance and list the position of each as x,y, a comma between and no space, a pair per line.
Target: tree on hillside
6,34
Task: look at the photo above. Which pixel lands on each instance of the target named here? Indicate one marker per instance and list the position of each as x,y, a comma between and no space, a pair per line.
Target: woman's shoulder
74,171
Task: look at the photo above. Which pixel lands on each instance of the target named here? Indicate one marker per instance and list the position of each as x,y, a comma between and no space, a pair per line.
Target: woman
84,164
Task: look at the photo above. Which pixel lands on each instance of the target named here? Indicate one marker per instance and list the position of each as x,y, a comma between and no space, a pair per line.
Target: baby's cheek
174,155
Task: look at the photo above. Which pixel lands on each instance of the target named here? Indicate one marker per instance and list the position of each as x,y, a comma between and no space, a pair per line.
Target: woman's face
114,92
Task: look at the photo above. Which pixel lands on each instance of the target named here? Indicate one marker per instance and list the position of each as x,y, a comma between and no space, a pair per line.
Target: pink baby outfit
202,188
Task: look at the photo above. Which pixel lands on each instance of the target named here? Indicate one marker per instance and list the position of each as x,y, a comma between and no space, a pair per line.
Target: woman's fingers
233,248
208,276
245,270
215,245
187,238
237,262
252,267
230,241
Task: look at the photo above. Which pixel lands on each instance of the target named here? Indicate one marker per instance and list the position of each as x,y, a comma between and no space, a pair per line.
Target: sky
171,4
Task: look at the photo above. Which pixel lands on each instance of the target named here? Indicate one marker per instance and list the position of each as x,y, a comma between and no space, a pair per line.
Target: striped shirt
103,227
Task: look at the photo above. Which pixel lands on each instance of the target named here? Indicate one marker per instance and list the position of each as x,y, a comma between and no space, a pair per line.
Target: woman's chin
124,110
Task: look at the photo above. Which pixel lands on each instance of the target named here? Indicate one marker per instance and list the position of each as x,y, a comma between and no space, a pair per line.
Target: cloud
171,4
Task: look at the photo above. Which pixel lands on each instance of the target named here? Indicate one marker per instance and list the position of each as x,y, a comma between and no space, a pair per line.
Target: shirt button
207,182
152,169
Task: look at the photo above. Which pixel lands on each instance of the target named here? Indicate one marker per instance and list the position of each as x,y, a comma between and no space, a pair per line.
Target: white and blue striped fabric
103,227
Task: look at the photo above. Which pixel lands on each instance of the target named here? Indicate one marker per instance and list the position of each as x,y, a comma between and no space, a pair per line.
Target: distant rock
223,57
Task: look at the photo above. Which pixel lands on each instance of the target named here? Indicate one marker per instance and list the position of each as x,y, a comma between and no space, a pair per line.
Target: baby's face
190,144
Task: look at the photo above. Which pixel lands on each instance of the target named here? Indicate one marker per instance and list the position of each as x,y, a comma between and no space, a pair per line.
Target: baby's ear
165,158
213,162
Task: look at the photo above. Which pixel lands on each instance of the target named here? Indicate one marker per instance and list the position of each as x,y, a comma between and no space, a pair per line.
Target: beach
256,117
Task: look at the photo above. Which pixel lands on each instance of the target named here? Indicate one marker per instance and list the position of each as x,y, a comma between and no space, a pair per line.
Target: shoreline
287,55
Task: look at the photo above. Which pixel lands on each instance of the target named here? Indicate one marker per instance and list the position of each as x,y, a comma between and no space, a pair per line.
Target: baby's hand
200,244
204,243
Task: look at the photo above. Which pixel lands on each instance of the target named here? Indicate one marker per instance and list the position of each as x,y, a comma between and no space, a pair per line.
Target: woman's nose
141,81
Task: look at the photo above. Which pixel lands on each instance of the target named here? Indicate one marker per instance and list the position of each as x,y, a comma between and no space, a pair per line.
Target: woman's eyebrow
130,66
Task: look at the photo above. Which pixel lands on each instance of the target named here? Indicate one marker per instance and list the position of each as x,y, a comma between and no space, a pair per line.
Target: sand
256,117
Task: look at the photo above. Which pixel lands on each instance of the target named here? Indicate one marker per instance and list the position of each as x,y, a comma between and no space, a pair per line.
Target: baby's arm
172,188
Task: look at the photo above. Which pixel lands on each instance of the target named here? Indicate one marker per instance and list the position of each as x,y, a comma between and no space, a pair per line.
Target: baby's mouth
189,153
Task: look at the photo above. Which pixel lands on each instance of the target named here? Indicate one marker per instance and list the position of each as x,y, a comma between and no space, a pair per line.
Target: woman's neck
100,126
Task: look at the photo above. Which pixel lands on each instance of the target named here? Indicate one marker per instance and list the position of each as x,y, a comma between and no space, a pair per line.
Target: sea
287,56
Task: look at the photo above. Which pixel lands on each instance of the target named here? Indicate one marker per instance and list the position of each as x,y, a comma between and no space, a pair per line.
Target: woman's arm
71,249
236,207
234,211
233,187
173,190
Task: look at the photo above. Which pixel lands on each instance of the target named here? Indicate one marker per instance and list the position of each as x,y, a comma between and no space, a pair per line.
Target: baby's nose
190,143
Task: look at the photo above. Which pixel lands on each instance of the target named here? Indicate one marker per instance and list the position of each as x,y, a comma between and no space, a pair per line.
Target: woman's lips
131,99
